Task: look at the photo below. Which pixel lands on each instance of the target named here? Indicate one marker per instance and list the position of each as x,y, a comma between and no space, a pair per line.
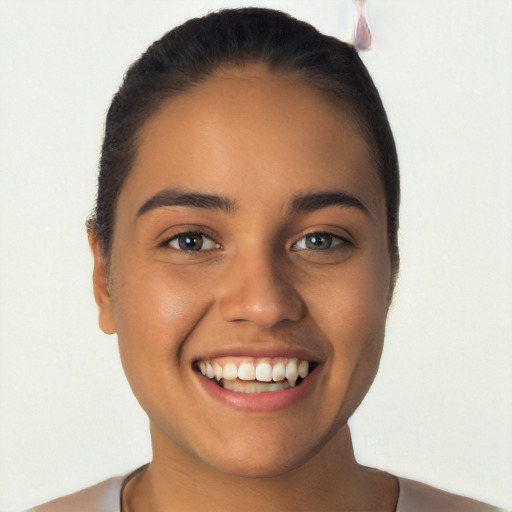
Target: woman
245,253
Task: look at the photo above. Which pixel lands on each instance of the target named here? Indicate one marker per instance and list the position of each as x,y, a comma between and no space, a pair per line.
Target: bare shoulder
418,497
102,497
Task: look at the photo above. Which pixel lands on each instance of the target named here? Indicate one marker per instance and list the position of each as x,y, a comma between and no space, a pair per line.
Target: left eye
318,242
192,241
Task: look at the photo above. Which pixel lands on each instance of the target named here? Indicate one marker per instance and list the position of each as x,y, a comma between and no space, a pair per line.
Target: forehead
247,127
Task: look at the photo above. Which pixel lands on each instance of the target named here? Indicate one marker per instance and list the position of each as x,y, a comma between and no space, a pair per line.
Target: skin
259,140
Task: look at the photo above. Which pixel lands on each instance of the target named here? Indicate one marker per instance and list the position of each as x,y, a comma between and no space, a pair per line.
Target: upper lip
260,351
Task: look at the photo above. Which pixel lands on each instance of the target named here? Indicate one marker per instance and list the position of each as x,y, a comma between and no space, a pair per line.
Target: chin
264,457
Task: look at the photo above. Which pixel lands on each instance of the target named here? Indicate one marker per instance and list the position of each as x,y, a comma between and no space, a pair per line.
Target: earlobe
100,282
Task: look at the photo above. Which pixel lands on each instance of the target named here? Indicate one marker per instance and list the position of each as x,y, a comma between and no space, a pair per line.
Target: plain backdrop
440,410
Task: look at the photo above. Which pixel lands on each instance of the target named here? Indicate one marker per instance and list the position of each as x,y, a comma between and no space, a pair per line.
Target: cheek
155,311
355,325
366,313
149,298
355,299
351,312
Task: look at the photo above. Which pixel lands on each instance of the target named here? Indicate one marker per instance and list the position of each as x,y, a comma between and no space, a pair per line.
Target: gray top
413,497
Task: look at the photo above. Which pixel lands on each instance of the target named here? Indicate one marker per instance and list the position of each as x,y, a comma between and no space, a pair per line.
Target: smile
255,375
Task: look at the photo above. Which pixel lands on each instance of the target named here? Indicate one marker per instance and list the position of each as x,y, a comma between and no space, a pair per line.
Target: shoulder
102,497
418,497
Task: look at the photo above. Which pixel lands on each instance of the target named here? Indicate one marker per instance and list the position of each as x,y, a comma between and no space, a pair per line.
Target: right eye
191,241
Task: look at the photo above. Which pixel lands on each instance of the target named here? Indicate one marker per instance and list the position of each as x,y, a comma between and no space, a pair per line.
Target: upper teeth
249,369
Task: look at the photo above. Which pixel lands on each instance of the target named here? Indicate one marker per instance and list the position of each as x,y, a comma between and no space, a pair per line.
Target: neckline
131,476
127,480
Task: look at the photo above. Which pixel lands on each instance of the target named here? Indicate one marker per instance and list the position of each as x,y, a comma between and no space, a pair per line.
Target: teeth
303,369
257,375
246,371
217,368
292,372
264,372
254,386
230,372
278,372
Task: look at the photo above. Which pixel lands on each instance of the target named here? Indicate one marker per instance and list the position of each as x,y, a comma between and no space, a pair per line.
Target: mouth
251,375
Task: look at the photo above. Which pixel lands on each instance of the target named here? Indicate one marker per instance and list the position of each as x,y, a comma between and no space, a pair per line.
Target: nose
256,290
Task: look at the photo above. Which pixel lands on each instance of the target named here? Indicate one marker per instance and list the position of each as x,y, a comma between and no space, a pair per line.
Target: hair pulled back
189,54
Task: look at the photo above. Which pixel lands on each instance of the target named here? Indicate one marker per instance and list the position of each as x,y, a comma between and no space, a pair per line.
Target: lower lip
270,401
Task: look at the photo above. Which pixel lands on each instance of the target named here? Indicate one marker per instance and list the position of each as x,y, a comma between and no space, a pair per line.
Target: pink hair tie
363,39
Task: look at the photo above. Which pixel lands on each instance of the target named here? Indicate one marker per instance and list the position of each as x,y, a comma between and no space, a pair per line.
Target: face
249,273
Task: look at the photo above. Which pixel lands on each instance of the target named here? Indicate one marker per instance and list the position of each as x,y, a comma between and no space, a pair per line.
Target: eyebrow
305,203
176,197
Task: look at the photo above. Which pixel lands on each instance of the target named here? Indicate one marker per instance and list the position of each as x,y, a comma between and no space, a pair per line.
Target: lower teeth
254,386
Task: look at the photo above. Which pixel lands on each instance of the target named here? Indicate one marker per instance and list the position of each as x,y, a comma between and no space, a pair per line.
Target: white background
441,408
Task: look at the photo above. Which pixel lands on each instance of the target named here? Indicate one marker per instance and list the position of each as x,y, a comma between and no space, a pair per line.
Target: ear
100,283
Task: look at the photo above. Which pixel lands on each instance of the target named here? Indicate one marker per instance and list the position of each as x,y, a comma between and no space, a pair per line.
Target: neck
332,480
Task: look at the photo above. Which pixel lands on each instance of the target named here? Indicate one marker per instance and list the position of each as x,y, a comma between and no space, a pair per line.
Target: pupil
190,241
318,241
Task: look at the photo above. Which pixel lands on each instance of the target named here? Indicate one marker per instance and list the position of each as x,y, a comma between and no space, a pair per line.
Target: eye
191,241
319,242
